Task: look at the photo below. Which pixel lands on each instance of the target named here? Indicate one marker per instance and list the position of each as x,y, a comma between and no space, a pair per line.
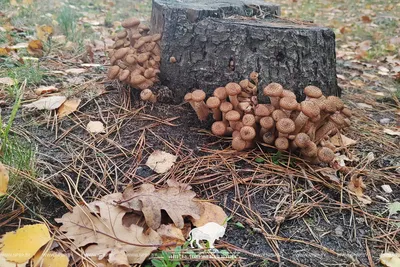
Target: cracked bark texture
216,42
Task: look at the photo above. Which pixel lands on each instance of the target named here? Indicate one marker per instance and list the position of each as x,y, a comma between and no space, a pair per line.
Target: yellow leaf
4,51
33,237
27,2
35,47
50,259
5,263
43,32
3,180
68,107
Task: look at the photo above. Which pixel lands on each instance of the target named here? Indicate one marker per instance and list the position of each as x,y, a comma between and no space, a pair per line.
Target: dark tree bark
216,42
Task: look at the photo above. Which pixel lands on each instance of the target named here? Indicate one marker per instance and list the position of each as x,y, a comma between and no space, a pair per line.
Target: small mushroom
249,120
325,154
233,117
220,92
225,107
213,103
288,104
238,143
172,59
285,126
233,89
254,77
131,22
278,115
312,92
147,95
287,93
282,143
123,75
308,110
273,91
218,128
247,133
336,121
261,110
267,125
113,72
201,108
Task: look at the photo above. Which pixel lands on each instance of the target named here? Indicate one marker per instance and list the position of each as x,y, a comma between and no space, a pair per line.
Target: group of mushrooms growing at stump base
285,123
135,57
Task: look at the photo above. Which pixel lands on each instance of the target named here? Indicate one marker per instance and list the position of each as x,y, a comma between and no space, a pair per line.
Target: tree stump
215,42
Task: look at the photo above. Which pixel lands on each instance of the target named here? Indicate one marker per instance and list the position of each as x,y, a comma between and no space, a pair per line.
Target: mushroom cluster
303,127
135,57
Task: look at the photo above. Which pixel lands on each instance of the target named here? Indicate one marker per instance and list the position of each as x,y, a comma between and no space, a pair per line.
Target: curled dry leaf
4,178
391,132
43,32
390,259
99,225
95,127
160,161
49,103
174,183
6,80
175,202
50,259
46,90
357,186
171,234
35,47
32,236
68,107
342,140
210,213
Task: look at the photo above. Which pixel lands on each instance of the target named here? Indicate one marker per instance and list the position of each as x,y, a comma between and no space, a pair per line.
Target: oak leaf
68,107
210,213
173,200
100,225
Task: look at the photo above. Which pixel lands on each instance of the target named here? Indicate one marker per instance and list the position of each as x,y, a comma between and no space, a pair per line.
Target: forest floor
282,209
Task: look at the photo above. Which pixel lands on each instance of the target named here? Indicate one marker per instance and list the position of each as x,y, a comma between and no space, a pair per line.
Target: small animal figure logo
210,231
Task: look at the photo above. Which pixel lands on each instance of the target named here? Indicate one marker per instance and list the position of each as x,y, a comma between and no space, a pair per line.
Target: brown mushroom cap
288,93
337,119
338,102
247,133
120,53
253,75
267,122
285,126
273,90
130,59
301,140
121,34
137,79
129,23
248,120
188,97
123,75
213,102
347,112
218,128
262,110
141,58
225,107
198,95
313,91
268,138
282,143
288,103
325,154
310,109
149,73
232,115
310,150
238,143
220,92
146,94
172,59
233,89
113,72
278,114
244,84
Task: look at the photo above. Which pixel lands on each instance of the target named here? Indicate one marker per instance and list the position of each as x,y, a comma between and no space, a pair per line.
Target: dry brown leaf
160,161
4,51
7,81
75,71
175,202
95,127
45,90
210,213
391,132
366,19
49,103
33,237
174,183
390,259
50,259
4,178
106,235
171,234
342,141
357,186
68,107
